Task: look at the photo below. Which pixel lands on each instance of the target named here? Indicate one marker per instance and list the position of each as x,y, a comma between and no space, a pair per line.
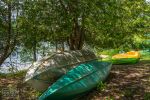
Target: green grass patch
145,57
109,52
147,96
145,54
12,75
129,93
101,86
109,98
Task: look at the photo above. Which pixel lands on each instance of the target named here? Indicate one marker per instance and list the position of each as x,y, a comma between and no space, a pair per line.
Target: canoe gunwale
75,81
50,68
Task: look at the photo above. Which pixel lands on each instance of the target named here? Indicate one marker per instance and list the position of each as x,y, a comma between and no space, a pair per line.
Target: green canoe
77,81
125,61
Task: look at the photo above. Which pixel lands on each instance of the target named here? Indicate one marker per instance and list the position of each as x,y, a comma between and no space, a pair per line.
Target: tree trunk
76,39
63,46
74,36
82,33
56,45
8,48
34,51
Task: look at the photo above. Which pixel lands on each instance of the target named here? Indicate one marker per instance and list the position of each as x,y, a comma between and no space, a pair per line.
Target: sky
148,0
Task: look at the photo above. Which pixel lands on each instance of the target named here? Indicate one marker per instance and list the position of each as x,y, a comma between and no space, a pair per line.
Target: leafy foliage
98,23
106,24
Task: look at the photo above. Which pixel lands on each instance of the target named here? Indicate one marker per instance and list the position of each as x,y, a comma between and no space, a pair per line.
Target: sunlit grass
145,54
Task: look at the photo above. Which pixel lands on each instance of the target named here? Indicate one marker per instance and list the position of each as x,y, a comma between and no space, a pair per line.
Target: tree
99,23
7,33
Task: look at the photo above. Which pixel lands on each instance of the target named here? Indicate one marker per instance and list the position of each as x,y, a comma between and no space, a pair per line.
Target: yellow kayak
126,58
131,54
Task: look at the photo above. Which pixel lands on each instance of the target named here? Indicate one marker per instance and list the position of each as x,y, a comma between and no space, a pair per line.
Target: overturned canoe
77,81
131,57
42,73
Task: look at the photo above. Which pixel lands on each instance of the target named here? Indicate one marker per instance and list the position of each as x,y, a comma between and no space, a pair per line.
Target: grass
128,93
145,54
12,75
110,52
147,96
101,86
145,57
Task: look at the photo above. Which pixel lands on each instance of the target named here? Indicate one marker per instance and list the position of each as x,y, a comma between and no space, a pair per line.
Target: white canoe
44,72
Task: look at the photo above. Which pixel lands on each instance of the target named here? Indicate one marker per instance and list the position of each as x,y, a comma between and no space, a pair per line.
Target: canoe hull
42,81
125,61
77,81
44,72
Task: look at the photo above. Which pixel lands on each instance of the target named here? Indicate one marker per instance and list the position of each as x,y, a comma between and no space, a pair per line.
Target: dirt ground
125,82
